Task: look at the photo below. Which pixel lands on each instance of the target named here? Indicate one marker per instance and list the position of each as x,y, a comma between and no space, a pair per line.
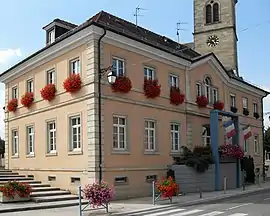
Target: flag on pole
247,132
229,128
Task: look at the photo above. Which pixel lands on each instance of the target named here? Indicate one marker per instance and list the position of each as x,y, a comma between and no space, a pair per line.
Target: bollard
243,180
80,200
153,192
258,177
200,190
225,184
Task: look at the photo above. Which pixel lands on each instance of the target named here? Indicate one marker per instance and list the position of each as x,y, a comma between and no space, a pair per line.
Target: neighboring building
58,141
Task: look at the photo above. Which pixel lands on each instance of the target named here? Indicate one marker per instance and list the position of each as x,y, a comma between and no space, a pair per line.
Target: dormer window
51,36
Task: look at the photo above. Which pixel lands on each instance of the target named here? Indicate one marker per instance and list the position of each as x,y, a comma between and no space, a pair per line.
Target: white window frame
246,145
147,135
198,89
174,81
30,136
149,73
30,85
14,92
51,36
206,137
117,68
245,102
175,132
255,107
77,66
51,136
232,100
208,92
15,142
51,76
117,145
256,144
214,95
78,130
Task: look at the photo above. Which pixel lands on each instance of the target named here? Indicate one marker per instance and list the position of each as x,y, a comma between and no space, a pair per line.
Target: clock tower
215,30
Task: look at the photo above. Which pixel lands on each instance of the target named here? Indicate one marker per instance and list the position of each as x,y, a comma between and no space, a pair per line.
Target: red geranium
122,84
12,105
73,83
48,92
202,101
12,188
27,99
230,150
167,187
176,96
151,88
218,105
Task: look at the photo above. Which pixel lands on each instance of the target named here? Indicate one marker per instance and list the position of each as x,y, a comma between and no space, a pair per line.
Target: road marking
238,206
167,212
239,214
186,213
212,213
266,199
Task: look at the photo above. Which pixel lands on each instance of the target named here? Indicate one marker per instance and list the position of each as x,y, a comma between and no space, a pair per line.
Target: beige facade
136,131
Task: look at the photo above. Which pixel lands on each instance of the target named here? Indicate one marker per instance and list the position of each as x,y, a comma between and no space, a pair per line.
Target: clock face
212,41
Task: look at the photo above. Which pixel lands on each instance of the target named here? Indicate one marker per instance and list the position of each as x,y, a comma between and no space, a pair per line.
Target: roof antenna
137,13
178,29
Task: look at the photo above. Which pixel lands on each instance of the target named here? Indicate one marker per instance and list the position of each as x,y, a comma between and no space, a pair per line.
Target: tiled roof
71,25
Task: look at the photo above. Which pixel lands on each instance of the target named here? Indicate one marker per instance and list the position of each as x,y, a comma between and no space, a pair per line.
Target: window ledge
121,152
30,156
51,154
15,156
174,153
151,153
75,153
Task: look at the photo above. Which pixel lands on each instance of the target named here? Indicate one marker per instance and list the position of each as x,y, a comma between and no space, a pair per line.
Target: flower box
218,105
122,84
12,105
256,115
17,198
234,109
202,101
48,92
232,151
73,83
27,99
151,88
176,97
245,111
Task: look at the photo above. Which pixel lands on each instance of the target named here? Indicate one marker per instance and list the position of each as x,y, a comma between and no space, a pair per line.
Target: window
75,66
30,85
255,107
118,67
215,95
206,135
208,88
15,92
245,145
51,36
150,135
175,137
256,144
119,133
30,140
51,130
15,142
149,73
208,13
173,79
245,103
75,132
232,100
198,89
51,76
215,12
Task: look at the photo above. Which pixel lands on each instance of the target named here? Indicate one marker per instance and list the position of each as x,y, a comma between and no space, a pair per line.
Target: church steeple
215,30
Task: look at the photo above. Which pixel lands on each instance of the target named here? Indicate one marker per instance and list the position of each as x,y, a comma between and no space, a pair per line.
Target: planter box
227,160
17,198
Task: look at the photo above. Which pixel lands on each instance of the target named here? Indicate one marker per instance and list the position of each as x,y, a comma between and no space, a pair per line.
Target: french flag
229,128
247,132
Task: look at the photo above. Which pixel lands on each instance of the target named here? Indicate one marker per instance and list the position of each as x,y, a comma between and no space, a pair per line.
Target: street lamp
111,77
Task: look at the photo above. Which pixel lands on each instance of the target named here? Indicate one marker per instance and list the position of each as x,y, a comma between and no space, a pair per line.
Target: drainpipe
99,106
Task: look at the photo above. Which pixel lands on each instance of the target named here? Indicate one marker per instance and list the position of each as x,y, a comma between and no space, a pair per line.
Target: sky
21,23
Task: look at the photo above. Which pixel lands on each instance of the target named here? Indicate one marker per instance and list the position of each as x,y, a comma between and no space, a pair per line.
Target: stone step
49,193
4,170
15,179
8,173
33,185
55,198
12,176
25,181
39,189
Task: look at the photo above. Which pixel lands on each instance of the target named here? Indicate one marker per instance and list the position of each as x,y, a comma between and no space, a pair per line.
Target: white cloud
7,54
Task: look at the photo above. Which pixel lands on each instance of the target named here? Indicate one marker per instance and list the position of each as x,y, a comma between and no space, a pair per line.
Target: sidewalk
140,203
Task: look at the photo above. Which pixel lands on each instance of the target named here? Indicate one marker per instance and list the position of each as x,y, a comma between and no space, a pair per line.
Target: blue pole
214,144
238,169
80,200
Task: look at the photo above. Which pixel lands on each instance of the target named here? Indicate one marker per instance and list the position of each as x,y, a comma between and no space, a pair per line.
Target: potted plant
202,101
256,115
122,84
219,105
27,99
48,92
73,83
12,105
98,194
14,191
234,109
231,151
167,187
151,88
245,111
176,97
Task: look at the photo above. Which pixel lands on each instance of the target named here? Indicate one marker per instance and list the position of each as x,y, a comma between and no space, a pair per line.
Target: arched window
208,13
208,88
216,12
